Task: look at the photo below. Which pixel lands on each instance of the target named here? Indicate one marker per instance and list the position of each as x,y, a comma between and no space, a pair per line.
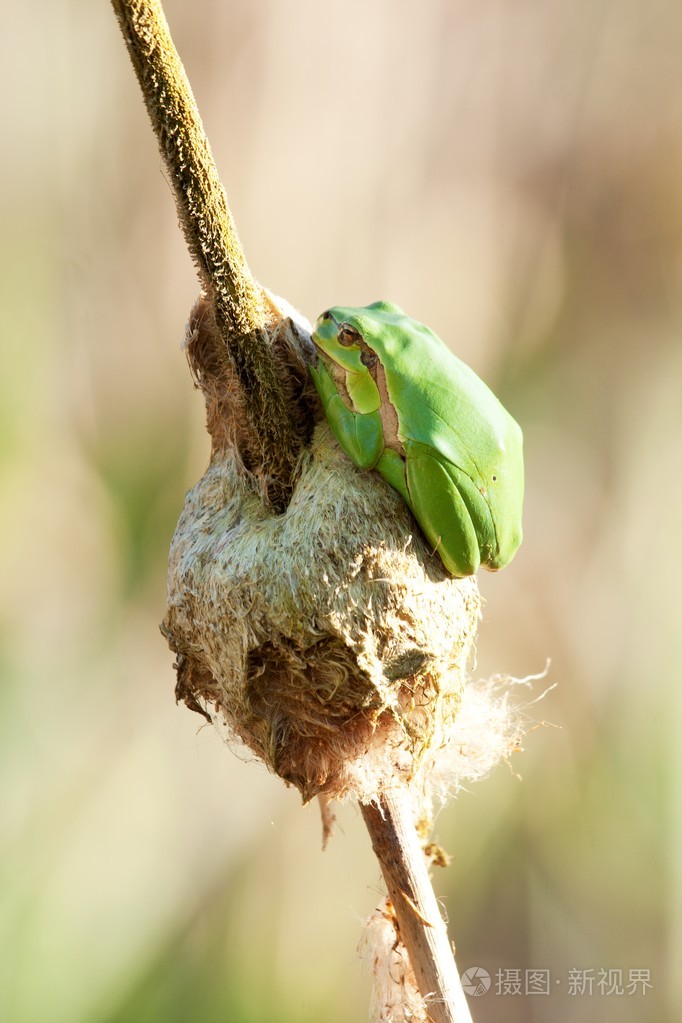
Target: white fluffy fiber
490,726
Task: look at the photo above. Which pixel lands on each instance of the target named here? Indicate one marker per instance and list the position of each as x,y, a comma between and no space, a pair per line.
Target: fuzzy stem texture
241,318
421,926
241,314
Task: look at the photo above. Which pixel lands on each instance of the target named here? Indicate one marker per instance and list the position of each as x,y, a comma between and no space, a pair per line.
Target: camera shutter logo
476,981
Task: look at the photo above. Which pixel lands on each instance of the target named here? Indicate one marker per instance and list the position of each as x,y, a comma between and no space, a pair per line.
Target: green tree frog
398,401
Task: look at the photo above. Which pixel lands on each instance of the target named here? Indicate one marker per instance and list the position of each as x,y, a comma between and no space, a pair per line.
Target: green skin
438,435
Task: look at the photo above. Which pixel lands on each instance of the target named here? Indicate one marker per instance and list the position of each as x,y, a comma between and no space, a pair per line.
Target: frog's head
339,334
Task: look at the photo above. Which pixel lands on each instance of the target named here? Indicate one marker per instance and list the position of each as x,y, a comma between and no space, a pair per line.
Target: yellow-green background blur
510,173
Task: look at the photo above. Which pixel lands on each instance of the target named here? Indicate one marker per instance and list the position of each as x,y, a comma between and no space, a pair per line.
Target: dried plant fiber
329,639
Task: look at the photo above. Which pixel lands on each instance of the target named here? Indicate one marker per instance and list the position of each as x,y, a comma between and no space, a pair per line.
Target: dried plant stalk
421,927
241,310
307,613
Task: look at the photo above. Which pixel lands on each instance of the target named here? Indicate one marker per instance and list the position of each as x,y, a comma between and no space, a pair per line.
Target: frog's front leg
392,468
360,434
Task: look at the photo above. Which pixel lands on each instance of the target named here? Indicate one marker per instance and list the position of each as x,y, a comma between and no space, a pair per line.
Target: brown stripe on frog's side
389,416
338,375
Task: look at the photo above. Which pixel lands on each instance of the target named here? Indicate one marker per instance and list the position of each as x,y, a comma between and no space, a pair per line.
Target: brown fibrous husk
328,639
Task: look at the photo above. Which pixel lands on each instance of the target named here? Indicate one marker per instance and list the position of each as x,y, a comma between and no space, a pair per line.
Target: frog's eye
368,358
348,335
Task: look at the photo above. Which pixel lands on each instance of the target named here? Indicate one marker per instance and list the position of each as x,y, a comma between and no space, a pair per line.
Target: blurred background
509,174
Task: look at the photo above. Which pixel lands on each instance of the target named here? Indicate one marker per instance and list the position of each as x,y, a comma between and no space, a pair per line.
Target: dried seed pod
328,638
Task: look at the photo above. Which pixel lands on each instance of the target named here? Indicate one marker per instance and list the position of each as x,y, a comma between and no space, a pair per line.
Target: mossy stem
241,313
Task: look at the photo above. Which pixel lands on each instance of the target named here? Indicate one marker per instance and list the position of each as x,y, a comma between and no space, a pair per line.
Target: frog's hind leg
442,514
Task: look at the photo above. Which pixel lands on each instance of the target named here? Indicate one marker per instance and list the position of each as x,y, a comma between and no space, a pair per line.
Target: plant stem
422,929
241,314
